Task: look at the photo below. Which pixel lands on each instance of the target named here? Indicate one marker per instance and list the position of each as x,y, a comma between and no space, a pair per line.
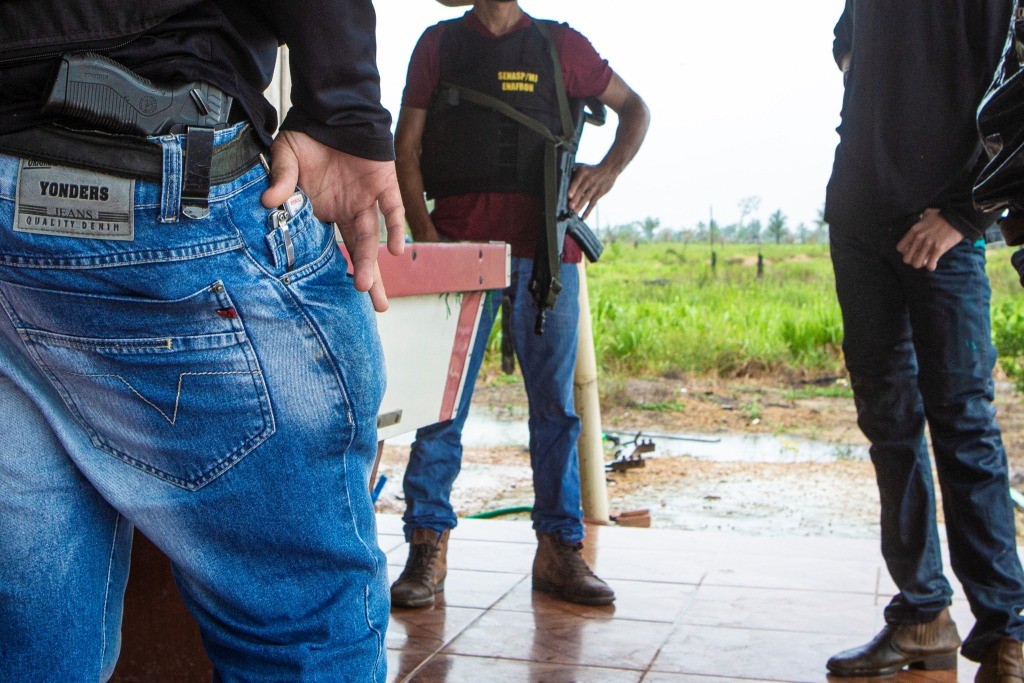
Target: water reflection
485,430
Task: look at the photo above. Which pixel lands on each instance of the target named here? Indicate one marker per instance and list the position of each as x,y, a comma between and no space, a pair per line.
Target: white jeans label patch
71,202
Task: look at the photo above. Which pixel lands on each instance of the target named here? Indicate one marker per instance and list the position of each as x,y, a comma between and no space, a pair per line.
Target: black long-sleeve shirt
908,138
229,43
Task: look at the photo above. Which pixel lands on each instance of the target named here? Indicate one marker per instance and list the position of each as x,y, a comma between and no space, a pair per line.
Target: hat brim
456,3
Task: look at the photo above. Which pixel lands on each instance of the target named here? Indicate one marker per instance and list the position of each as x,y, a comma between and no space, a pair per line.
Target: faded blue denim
548,363
918,347
185,384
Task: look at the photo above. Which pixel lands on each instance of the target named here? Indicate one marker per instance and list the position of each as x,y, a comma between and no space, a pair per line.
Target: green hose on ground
491,514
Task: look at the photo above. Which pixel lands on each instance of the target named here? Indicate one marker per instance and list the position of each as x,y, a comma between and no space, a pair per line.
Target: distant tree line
747,230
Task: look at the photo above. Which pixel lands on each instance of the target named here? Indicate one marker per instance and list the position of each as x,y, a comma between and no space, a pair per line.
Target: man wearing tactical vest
484,169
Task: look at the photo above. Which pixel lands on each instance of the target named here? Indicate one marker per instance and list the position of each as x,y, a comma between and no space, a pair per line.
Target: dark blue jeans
918,348
548,362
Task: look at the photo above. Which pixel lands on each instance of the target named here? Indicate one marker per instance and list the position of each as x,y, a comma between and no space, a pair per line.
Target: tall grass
660,309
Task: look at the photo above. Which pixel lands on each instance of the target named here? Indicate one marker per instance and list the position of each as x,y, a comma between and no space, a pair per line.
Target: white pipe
593,486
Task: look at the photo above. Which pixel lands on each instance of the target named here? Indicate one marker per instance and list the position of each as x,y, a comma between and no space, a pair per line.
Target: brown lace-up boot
425,569
1003,663
559,568
930,646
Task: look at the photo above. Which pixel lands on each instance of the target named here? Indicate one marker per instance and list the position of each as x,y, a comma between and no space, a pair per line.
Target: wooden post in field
593,486
711,237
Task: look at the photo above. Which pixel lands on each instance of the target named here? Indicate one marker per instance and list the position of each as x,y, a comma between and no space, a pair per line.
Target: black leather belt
126,155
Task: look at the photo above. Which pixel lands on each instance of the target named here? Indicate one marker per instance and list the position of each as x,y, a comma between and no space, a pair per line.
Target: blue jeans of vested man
185,384
918,348
548,364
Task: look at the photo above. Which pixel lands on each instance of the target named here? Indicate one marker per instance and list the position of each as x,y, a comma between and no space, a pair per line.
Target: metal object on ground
631,460
672,437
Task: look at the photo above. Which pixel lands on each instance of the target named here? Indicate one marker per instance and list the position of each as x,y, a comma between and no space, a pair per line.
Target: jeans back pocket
173,388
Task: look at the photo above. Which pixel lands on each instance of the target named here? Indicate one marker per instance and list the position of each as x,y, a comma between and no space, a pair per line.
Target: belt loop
198,163
170,196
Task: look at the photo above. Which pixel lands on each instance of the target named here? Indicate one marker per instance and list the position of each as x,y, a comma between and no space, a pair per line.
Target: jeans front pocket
173,388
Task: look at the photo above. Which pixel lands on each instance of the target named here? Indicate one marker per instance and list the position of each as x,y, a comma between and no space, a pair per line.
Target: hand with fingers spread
927,241
346,190
589,184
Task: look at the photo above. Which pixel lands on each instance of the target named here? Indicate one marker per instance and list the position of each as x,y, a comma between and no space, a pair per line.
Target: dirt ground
837,496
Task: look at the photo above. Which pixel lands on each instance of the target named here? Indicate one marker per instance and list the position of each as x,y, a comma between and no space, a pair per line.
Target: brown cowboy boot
424,572
930,646
559,568
1003,663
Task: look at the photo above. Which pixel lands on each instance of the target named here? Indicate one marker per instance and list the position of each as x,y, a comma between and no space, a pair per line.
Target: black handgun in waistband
97,90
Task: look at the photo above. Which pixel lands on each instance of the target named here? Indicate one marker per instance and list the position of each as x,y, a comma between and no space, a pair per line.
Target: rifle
560,161
559,164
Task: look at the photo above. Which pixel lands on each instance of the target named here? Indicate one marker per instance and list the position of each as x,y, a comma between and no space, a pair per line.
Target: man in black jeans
909,254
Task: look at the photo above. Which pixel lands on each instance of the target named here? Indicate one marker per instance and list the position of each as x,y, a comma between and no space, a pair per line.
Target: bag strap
568,127
452,93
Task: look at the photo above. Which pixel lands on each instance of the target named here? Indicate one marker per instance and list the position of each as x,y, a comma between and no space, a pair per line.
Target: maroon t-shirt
513,217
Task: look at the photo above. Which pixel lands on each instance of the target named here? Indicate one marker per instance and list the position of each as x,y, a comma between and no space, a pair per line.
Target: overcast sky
744,98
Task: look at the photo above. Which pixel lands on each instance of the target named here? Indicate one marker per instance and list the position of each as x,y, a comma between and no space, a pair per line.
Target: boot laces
572,553
421,559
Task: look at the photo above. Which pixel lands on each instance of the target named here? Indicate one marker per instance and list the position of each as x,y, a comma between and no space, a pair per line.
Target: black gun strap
547,260
508,354
568,127
458,92
553,255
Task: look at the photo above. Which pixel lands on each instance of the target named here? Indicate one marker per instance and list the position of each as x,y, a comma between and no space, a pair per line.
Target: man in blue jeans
181,349
909,254
485,172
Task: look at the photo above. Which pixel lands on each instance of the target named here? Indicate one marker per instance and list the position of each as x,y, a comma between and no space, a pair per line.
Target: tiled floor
692,608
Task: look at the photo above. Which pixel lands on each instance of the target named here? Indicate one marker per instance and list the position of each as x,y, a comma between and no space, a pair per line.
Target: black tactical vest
470,148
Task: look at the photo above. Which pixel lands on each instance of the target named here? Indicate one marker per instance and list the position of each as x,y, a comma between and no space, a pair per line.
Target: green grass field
659,310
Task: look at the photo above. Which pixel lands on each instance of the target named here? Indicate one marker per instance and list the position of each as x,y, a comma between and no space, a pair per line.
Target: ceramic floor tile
495,530
470,589
746,653
642,601
491,556
458,669
401,663
662,566
783,610
693,607
478,589
794,573
428,629
562,639
964,674
658,677
707,542
389,544
389,524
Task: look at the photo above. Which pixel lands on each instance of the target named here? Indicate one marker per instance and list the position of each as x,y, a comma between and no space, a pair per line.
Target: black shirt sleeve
987,40
843,42
335,83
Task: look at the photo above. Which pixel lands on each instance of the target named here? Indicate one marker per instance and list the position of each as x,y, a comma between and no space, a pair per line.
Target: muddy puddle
485,430
752,484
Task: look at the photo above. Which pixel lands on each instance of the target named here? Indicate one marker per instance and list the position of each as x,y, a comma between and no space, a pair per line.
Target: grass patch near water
661,310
